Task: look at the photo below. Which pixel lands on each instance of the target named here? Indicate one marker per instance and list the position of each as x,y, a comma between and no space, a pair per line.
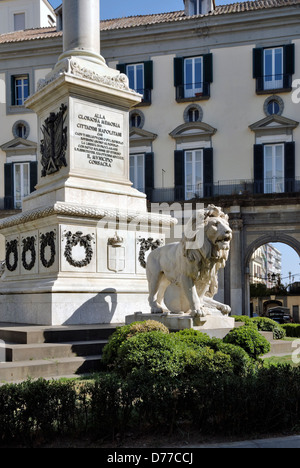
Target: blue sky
119,8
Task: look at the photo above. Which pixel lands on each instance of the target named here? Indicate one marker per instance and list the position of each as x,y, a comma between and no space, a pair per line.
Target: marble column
236,277
81,30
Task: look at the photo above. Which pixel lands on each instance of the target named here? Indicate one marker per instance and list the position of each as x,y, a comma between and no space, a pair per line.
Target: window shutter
121,67
8,187
289,59
257,63
258,169
148,71
179,172
12,90
149,172
178,71
289,166
179,77
33,175
208,172
208,68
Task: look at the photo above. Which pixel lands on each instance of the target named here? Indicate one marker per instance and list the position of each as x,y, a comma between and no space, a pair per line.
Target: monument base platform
213,325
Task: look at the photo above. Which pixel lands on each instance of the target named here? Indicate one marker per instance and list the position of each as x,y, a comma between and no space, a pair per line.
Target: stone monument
73,254
183,276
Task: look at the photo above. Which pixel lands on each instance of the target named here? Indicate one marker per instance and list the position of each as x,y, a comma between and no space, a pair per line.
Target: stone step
18,371
29,352
29,334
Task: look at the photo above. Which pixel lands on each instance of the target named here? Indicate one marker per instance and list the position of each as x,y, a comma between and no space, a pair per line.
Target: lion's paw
198,313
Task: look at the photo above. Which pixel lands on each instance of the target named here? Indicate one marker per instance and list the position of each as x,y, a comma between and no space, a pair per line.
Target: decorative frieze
12,255
28,250
47,240
78,239
145,245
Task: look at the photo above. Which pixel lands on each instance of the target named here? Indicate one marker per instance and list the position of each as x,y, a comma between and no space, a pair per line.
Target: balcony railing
272,82
192,90
224,188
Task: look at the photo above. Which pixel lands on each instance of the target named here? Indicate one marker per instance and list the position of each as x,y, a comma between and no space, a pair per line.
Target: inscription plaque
99,139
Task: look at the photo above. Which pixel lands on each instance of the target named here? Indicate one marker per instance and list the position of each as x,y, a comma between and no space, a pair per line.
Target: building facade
219,116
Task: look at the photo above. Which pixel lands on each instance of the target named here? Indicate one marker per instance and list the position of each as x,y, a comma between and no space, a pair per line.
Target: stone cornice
69,210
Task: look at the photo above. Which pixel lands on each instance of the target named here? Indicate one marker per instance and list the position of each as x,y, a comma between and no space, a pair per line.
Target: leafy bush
154,351
249,339
267,324
262,324
292,330
121,334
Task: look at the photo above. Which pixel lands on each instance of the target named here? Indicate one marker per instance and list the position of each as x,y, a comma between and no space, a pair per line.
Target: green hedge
292,330
263,324
249,339
265,401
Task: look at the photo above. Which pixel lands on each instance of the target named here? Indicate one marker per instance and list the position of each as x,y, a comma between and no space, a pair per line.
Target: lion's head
208,233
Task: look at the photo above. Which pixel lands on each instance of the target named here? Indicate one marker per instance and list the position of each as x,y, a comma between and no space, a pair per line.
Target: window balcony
192,91
225,188
274,83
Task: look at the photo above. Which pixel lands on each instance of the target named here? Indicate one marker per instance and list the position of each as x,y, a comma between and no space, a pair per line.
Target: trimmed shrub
121,334
154,351
292,330
267,324
249,339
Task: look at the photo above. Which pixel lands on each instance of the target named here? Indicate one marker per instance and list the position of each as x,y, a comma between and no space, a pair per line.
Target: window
20,179
192,77
135,120
140,76
21,183
193,174
273,105
137,171
274,168
195,7
19,89
19,21
273,68
135,75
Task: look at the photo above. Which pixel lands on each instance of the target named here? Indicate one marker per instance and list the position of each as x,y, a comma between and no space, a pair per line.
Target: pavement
276,442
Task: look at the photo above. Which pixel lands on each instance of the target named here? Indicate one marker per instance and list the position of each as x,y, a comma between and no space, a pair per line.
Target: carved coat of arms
54,142
116,254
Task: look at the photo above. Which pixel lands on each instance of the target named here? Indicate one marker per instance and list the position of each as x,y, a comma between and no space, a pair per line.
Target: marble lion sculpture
184,275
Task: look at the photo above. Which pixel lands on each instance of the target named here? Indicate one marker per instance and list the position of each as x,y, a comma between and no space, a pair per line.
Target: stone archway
272,237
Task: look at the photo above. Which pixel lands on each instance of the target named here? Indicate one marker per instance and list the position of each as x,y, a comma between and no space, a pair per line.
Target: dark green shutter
289,166
288,65
148,73
208,172
8,186
33,175
258,68
258,63
289,59
121,67
149,174
12,91
208,68
179,77
179,175
258,169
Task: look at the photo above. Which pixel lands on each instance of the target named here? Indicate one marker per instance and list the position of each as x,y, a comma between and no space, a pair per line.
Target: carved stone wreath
12,248
28,246
147,244
84,241
47,239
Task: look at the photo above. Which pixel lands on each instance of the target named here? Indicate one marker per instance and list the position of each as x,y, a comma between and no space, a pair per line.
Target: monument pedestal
213,325
73,254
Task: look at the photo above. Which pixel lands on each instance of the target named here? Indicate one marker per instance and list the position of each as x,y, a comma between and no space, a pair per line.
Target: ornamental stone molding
66,209
72,67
